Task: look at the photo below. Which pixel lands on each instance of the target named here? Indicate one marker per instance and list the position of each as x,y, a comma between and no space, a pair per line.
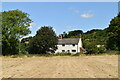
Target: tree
44,41
64,35
92,31
113,30
75,33
15,24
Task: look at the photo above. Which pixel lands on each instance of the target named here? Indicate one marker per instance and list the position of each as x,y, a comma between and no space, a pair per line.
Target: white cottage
70,45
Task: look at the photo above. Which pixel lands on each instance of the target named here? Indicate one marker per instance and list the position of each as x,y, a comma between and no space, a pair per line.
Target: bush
101,50
22,49
93,49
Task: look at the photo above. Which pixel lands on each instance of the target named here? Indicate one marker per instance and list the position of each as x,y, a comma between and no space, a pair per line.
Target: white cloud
86,15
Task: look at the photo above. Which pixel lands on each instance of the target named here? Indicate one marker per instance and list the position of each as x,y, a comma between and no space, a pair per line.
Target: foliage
64,35
110,52
92,31
93,49
98,37
23,49
78,54
15,25
71,34
45,41
113,42
25,42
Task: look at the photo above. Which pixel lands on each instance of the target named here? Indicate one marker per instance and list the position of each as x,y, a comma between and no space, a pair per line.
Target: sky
66,16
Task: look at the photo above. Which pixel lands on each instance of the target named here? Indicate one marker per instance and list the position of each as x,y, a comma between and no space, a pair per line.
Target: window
68,51
73,50
63,50
73,44
63,44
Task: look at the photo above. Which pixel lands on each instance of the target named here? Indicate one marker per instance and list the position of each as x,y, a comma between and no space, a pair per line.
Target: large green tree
113,30
15,25
44,41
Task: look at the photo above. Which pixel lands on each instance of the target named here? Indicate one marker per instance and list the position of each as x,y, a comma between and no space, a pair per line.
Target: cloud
86,15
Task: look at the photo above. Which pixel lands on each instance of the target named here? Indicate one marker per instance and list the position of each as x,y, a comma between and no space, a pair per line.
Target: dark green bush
93,49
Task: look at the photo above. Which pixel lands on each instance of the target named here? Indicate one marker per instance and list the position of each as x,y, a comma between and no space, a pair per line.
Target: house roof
68,41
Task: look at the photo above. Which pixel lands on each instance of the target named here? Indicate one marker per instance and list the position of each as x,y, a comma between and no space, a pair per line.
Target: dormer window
73,44
63,44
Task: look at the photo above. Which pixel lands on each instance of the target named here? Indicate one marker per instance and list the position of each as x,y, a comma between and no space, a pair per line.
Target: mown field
100,66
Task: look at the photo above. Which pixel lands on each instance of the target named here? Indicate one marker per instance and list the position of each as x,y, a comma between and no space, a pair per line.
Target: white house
70,45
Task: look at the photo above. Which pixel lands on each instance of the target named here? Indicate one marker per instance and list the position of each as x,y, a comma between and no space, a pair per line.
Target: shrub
93,49
101,50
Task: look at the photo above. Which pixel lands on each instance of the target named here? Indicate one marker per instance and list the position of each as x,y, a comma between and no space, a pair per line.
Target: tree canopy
74,33
113,30
45,41
15,24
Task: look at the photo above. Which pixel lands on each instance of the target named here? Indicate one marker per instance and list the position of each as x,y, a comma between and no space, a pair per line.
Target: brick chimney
60,36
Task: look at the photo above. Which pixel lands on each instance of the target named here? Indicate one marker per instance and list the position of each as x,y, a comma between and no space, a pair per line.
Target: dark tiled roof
68,41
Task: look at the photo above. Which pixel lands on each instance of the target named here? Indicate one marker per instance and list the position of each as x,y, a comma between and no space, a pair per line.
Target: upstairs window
73,44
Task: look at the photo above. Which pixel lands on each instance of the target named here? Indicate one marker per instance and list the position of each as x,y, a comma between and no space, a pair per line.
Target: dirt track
61,67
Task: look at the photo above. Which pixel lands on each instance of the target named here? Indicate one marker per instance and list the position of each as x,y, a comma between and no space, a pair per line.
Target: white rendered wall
79,44
66,48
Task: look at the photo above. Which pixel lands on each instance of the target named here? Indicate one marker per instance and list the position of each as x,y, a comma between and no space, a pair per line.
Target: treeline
15,25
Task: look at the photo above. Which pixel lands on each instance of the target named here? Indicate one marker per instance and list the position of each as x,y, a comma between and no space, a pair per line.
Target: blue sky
66,16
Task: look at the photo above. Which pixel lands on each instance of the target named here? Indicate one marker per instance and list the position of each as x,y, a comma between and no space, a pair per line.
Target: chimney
60,36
